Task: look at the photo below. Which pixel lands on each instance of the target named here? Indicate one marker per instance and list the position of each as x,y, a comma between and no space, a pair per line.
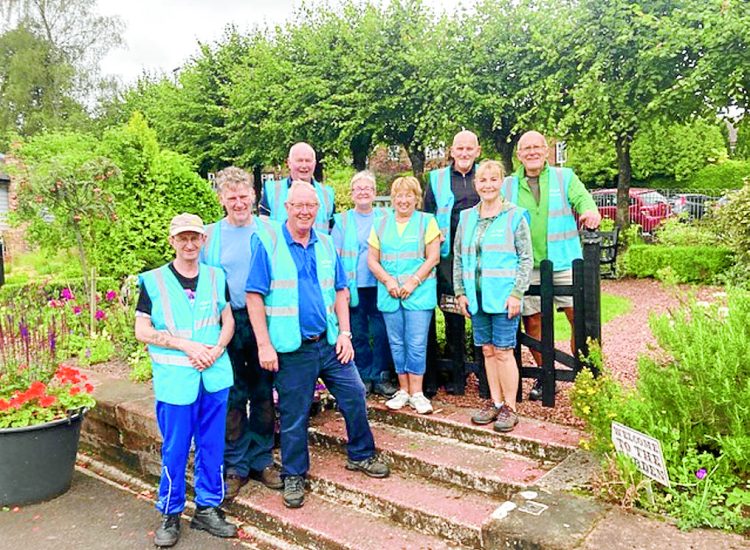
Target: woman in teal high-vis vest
492,264
404,250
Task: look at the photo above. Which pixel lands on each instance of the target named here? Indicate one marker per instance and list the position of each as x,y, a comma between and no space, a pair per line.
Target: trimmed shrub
679,264
716,177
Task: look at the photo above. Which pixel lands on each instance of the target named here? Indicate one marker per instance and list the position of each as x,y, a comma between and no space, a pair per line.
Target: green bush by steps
693,395
677,264
718,177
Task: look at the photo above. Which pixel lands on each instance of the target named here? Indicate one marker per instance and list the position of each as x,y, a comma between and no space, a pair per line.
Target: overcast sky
161,34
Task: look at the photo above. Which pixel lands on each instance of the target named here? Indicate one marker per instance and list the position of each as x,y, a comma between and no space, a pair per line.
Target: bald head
465,150
301,162
532,152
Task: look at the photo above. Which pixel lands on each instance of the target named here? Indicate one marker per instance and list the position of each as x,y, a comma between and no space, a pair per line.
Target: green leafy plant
679,264
692,395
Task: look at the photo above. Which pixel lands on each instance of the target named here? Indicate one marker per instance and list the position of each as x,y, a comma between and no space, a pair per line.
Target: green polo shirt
580,199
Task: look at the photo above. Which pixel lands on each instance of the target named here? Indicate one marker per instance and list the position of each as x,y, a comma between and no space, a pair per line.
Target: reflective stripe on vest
499,259
401,256
563,241
277,192
282,302
440,181
199,321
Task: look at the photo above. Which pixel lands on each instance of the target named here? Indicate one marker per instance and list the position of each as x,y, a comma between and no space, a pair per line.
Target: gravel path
624,338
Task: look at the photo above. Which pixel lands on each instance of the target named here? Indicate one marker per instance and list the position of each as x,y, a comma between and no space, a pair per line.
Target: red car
647,207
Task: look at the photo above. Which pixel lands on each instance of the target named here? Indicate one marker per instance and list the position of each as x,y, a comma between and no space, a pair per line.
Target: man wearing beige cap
184,316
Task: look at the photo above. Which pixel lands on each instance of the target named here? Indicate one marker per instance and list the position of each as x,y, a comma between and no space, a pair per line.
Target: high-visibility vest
349,251
498,254
282,302
401,256
176,381
563,242
440,182
211,251
277,192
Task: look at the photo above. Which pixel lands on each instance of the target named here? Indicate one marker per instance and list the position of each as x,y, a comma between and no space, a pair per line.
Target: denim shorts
495,329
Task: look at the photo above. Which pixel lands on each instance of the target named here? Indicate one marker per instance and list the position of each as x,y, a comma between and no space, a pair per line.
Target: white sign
643,449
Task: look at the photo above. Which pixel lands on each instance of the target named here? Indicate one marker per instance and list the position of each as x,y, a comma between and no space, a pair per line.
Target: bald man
450,190
550,195
301,162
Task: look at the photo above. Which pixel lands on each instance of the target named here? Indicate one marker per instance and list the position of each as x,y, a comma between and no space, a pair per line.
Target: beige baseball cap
182,223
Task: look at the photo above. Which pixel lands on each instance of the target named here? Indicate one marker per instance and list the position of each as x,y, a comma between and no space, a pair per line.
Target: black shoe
212,520
385,388
536,392
294,491
168,532
373,466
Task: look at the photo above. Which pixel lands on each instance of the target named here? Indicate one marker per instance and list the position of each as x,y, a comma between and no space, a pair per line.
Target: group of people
301,292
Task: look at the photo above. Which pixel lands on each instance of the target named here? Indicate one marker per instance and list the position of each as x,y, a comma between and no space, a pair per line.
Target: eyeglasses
182,240
363,189
533,149
300,206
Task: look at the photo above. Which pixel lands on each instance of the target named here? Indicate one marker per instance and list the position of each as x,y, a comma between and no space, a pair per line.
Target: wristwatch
346,333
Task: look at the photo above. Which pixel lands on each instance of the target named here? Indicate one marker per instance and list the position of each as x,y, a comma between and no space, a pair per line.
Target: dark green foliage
680,264
718,177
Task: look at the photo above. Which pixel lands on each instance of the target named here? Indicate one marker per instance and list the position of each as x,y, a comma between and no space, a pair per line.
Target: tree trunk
360,148
258,181
505,147
417,158
625,170
82,258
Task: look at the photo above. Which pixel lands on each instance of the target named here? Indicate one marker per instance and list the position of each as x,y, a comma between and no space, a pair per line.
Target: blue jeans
249,440
407,334
295,382
202,421
368,335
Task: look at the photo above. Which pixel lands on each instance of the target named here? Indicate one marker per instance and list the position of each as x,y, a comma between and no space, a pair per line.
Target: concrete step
446,512
326,525
533,438
496,472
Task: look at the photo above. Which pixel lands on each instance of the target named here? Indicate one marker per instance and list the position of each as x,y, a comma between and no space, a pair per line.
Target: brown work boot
232,485
268,476
487,415
506,419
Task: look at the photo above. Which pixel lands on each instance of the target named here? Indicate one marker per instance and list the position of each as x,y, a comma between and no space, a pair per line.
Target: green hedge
680,264
725,175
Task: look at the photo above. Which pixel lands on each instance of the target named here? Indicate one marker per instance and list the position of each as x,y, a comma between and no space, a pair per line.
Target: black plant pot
37,462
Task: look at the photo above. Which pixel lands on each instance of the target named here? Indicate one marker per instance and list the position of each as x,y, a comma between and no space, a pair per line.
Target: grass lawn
612,306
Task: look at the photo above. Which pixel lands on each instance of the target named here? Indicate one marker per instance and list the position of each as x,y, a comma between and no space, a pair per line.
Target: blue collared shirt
312,310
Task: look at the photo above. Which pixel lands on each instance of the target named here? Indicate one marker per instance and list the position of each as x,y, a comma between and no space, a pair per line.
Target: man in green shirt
550,195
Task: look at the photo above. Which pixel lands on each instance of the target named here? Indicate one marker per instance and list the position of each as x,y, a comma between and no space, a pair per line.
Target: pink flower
700,474
111,295
66,294
99,315
77,310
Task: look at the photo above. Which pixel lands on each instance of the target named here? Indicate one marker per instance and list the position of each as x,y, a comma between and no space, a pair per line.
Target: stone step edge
435,424
427,521
452,476
310,531
142,490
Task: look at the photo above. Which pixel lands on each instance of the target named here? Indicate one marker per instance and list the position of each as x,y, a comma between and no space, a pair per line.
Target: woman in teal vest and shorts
404,250
491,269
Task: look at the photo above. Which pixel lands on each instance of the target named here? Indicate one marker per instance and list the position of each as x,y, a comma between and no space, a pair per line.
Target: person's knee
488,350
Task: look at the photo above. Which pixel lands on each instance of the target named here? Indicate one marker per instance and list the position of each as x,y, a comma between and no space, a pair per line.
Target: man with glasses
297,299
550,195
451,190
249,439
301,162
350,232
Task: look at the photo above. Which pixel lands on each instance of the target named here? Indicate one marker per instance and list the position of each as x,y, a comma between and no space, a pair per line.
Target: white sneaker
420,403
398,401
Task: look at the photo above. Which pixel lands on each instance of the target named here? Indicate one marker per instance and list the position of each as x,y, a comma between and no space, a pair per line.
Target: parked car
693,205
647,207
